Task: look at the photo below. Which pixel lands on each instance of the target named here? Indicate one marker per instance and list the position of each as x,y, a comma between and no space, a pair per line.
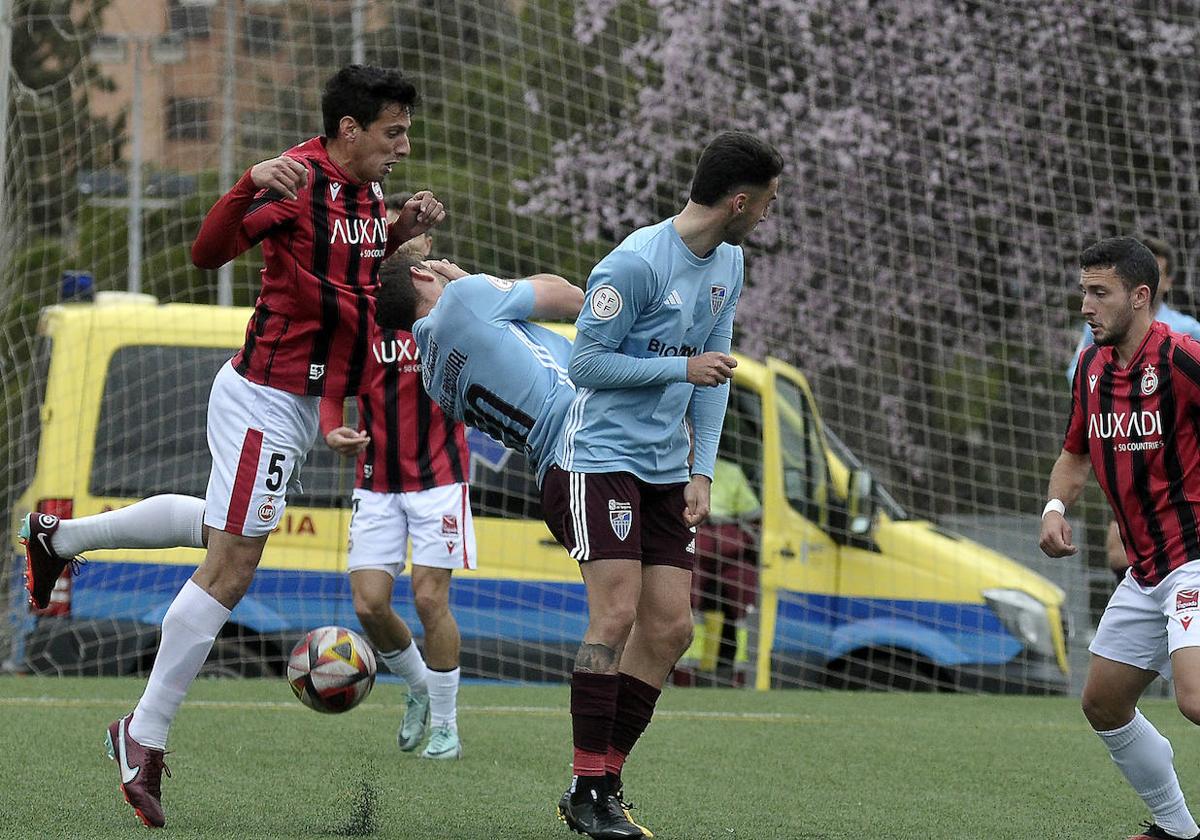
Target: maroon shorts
604,516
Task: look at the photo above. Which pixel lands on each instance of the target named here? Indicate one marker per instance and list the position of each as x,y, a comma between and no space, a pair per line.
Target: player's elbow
205,258
582,370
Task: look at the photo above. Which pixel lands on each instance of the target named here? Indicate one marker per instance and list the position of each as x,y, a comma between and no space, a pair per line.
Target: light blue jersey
487,366
654,303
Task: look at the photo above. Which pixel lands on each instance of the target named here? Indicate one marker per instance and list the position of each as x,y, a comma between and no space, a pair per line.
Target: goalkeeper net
907,323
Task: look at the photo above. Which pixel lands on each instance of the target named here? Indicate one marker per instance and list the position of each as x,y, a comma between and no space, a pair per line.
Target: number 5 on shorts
274,480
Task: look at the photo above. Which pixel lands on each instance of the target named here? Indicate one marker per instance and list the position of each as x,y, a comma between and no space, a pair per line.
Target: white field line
294,706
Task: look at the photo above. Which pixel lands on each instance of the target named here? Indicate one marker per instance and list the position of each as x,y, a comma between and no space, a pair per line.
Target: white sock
189,629
166,521
408,665
1145,757
443,698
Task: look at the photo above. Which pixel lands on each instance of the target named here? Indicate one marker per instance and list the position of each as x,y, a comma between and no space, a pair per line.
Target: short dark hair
1133,262
396,201
733,159
396,300
1160,249
361,91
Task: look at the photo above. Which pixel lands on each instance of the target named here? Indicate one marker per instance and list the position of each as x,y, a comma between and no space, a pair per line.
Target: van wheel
230,658
885,669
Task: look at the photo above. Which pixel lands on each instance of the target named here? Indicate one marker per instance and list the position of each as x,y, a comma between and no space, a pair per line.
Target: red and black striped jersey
414,445
1139,425
322,252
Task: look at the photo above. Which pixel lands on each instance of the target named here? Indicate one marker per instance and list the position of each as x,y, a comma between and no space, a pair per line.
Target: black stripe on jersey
1186,364
391,414
367,417
1078,392
424,418
269,197
1105,406
358,354
1139,475
1168,408
452,453
261,314
320,267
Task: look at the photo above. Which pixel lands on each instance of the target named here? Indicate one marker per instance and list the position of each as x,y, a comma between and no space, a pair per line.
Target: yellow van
850,589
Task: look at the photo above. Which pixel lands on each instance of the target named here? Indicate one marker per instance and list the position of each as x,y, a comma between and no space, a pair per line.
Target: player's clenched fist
419,214
710,368
285,175
1056,536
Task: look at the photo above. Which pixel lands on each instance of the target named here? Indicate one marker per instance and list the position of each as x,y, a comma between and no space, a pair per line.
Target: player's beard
1119,328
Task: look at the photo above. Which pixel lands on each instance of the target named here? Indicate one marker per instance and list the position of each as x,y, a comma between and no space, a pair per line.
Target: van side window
805,474
741,436
151,436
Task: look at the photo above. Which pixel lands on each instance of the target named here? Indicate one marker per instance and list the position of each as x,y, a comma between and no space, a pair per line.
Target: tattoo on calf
596,659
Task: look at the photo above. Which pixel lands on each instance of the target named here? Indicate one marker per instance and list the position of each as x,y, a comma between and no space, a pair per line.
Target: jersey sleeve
492,299
619,288
1075,440
272,211
1185,358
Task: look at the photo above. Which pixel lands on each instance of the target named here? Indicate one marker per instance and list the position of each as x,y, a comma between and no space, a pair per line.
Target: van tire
885,669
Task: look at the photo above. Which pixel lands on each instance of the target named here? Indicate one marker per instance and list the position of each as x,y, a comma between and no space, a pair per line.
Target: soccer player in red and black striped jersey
1135,421
411,484
318,211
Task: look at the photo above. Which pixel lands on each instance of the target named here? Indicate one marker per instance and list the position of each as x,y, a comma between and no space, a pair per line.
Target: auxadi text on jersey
1127,424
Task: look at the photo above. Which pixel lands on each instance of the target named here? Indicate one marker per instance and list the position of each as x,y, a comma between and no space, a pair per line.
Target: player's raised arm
224,234
555,298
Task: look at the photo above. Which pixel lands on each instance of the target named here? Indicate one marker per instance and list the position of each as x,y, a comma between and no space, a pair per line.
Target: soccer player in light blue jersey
482,360
650,361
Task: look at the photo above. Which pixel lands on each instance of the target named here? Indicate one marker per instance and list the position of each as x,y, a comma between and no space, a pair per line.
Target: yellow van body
122,417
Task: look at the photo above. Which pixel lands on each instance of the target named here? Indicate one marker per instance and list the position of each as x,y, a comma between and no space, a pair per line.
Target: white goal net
905,332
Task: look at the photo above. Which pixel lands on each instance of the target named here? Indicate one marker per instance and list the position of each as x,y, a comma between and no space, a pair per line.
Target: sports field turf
250,762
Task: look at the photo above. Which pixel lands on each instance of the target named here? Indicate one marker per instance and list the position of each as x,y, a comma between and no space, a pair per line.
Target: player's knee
679,635
1103,713
613,623
1189,706
431,606
371,606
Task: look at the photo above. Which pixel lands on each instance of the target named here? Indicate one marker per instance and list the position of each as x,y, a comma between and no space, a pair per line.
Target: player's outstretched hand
284,175
697,496
445,269
346,441
419,214
1056,536
710,368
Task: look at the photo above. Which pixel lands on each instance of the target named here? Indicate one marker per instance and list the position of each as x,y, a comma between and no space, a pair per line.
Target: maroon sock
635,707
593,706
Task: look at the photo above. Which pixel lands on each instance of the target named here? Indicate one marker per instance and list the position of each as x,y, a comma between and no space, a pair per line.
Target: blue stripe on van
810,626
827,627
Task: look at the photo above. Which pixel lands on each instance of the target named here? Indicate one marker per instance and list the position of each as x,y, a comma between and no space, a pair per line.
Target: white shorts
259,437
1143,626
437,520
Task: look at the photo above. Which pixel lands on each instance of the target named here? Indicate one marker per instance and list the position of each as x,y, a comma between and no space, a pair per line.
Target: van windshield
885,499
151,435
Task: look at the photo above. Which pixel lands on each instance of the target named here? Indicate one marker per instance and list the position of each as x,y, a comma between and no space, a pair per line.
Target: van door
799,558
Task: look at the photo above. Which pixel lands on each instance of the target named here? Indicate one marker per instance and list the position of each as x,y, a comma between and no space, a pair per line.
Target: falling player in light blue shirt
482,360
650,360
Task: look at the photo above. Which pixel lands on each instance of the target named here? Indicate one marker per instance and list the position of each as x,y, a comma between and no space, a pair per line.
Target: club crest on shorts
266,511
1149,381
449,525
1187,599
620,517
716,297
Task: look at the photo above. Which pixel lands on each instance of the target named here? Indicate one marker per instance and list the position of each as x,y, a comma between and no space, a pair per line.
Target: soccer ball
331,670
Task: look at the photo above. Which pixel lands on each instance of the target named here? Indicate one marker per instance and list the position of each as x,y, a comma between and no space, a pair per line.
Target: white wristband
1055,505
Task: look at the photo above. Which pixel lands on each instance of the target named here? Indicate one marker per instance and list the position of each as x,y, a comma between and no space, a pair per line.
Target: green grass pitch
250,762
